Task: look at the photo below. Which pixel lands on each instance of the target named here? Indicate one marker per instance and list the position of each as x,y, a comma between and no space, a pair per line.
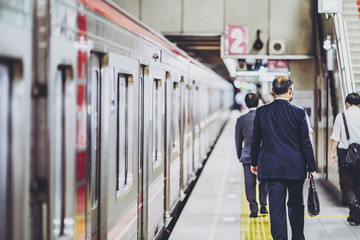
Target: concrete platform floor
217,208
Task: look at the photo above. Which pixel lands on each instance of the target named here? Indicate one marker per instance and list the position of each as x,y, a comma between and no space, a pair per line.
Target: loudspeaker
242,65
277,46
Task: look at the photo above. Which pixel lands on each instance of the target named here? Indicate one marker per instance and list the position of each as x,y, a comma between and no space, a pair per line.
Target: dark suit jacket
281,146
243,131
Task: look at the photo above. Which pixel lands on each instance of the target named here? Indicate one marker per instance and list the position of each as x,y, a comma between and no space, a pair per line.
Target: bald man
282,155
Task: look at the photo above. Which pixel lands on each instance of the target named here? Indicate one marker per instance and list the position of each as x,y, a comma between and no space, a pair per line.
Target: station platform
217,207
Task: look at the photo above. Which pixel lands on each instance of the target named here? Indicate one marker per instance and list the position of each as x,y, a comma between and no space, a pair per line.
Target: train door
196,126
5,153
142,187
154,112
62,135
190,121
167,145
94,148
119,162
173,148
14,150
208,116
202,120
184,153
172,160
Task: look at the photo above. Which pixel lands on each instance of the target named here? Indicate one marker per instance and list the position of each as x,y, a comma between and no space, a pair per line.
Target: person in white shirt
349,177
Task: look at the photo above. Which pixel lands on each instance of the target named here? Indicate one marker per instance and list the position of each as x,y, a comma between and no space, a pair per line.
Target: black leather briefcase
313,203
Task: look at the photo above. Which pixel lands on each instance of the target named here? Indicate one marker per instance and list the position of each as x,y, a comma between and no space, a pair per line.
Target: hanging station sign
278,65
237,40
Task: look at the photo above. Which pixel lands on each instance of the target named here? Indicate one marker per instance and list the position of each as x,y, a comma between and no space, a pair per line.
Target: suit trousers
277,189
250,189
349,180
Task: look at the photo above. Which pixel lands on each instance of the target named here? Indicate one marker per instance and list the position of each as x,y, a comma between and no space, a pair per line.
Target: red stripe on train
81,132
120,18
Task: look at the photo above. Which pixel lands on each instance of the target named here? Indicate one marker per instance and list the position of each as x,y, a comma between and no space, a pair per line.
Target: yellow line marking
326,217
263,228
259,228
253,228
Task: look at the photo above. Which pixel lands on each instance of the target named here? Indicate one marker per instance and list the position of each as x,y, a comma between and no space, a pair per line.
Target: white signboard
305,99
329,6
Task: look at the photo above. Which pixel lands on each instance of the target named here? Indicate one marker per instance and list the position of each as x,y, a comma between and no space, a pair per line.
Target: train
103,122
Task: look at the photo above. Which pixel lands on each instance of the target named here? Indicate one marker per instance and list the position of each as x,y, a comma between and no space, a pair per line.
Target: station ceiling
205,49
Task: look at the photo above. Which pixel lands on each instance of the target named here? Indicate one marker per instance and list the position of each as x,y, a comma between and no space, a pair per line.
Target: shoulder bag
352,157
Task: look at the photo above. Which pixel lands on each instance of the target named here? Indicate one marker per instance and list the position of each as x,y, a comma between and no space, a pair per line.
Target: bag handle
346,127
312,182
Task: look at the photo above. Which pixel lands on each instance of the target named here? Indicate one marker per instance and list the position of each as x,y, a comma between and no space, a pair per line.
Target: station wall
290,21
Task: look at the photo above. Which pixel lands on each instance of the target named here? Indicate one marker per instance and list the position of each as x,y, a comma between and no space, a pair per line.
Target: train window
196,104
62,103
95,104
182,104
189,102
175,123
144,76
125,124
4,146
59,152
157,113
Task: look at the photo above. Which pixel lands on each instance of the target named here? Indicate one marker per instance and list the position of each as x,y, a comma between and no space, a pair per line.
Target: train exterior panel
15,125
104,123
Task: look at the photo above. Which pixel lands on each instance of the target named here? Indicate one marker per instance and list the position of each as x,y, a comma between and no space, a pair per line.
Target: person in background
243,130
282,154
311,131
349,177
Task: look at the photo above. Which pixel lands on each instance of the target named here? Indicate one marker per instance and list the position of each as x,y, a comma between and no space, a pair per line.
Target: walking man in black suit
243,130
282,154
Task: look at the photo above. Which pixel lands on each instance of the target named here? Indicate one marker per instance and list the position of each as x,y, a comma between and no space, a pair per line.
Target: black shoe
350,219
354,214
263,210
253,215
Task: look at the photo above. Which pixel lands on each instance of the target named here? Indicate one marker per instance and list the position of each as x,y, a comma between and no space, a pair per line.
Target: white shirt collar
353,108
253,108
281,98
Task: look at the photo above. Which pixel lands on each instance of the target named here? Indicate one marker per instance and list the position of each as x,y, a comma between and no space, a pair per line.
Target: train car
15,125
104,123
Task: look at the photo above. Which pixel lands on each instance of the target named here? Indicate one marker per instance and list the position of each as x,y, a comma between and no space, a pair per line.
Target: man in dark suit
282,154
243,130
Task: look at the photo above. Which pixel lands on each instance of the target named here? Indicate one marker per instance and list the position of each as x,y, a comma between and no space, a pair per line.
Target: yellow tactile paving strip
259,228
253,228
